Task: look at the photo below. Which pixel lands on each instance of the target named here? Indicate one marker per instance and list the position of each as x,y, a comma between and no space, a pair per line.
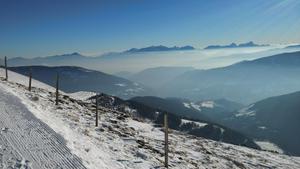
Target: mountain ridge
234,45
159,48
75,79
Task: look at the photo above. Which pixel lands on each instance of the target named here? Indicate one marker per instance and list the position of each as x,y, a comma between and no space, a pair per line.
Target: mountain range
56,60
159,48
245,82
234,45
76,58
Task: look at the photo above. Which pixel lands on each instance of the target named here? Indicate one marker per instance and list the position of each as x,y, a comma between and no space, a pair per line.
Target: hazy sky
31,28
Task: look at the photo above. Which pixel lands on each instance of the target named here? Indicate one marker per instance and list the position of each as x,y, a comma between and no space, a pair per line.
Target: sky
32,28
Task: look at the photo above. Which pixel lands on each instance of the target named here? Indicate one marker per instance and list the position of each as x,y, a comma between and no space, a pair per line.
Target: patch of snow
250,113
129,110
222,130
205,104
195,106
82,95
246,112
184,121
187,105
262,127
146,129
208,104
121,84
266,145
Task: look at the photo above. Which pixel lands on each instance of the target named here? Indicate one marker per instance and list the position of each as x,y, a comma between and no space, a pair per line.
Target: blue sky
31,28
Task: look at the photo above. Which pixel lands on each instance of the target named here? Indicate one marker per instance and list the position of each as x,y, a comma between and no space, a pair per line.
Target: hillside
124,141
178,120
245,82
74,79
275,119
191,118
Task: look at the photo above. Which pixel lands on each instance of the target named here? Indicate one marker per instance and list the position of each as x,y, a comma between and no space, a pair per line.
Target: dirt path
26,142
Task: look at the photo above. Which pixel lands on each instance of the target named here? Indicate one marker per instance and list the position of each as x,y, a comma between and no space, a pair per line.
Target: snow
129,110
82,95
208,104
204,104
184,121
146,129
26,142
262,127
187,105
249,113
246,112
121,84
192,105
124,142
195,106
265,145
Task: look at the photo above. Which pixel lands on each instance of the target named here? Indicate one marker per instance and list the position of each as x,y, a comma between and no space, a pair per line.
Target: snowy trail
26,142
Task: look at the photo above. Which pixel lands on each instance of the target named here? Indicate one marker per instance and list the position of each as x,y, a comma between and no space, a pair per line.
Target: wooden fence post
97,110
5,62
166,139
57,79
30,78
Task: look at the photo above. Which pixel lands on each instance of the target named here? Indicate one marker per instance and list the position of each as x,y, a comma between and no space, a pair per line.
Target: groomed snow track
26,142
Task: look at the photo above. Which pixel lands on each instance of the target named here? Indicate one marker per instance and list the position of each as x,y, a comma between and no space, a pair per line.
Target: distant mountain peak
75,53
71,54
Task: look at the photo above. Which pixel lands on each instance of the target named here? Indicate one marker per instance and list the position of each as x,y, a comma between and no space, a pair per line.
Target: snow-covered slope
24,80
124,141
